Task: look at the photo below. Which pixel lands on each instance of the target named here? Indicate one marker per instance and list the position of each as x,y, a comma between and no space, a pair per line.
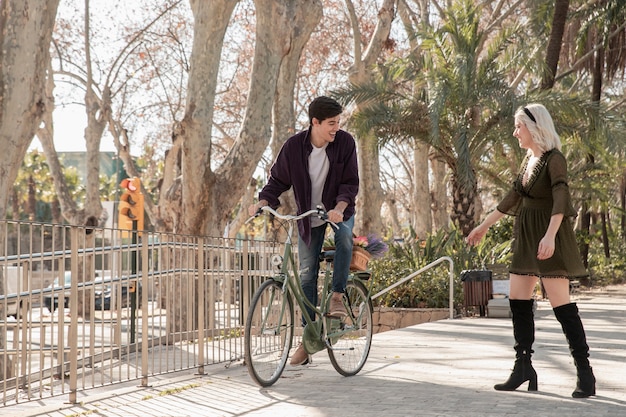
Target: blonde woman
544,248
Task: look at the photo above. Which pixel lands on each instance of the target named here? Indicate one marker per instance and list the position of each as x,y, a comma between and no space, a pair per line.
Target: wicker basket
360,258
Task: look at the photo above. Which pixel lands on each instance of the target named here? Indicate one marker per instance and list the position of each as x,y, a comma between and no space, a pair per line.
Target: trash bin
477,288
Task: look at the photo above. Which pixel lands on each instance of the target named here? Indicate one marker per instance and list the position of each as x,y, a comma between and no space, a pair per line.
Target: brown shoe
300,357
336,308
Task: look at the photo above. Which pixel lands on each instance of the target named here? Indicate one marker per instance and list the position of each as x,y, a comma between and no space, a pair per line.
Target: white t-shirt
318,171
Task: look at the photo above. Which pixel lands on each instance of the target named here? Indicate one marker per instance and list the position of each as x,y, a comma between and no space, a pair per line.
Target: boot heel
522,371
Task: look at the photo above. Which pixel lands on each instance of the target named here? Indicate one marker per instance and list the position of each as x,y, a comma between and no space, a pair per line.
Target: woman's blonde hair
540,125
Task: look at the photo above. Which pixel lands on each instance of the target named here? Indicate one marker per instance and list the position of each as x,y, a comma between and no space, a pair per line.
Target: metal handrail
416,273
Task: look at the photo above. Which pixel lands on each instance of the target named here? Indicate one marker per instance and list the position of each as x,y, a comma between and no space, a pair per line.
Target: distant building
110,164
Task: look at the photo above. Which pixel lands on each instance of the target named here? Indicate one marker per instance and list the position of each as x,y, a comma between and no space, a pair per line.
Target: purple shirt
291,169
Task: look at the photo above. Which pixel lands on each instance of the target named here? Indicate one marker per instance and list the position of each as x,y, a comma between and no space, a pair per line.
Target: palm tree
600,45
449,94
553,50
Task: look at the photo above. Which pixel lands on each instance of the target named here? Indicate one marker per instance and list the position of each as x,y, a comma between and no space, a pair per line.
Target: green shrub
607,271
431,288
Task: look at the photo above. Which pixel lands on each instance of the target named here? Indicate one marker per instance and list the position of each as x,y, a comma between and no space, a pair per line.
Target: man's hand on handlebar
335,216
255,209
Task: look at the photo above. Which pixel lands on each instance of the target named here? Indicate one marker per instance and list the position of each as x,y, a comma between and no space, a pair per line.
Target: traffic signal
130,207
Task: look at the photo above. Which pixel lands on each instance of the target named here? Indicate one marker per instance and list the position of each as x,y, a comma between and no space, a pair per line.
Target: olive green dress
546,193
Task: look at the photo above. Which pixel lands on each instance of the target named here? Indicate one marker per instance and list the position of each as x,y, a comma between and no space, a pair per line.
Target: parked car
51,300
103,297
103,294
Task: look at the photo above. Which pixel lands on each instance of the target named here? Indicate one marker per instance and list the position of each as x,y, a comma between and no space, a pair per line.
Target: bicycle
269,329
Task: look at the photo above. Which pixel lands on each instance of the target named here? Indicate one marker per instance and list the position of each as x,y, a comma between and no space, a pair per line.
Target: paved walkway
445,368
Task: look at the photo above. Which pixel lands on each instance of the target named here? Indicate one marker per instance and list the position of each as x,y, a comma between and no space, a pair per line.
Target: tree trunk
280,54
45,134
371,195
424,204
284,118
439,192
25,33
553,51
211,21
170,196
596,94
242,215
605,234
370,200
98,110
585,225
216,193
464,184
622,199
208,197
422,213
395,226
463,200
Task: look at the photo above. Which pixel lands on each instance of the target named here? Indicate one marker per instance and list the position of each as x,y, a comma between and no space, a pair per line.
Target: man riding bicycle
320,163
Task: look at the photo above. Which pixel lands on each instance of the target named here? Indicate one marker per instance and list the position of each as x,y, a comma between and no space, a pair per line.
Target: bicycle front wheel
351,337
268,333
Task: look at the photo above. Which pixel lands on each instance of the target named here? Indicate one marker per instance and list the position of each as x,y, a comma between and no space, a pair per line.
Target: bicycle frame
269,330
315,331
290,278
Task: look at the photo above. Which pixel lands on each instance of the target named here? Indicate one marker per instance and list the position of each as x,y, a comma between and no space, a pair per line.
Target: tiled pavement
444,368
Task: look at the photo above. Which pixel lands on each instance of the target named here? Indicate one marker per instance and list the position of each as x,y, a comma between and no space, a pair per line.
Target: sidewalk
444,368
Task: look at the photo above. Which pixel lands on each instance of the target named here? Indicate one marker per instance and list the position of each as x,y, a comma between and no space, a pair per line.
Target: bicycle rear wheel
268,333
351,337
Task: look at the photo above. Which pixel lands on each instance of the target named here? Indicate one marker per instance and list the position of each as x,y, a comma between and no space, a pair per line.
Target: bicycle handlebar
290,217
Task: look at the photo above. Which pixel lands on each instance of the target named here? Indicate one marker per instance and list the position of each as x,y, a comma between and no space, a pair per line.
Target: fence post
134,253
145,285
245,282
72,335
201,304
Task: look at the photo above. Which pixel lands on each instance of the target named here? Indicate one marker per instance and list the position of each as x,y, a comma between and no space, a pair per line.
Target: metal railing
421,270
82,308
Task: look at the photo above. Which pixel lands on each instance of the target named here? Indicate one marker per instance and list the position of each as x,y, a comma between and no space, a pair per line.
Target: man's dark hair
323,108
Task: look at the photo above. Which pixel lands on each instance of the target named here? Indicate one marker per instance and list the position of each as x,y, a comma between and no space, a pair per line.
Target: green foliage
33,190
34,194
428,290
431,289
607,271
109,187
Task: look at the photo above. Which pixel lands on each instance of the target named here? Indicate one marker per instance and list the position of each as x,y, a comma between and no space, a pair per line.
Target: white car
51,299
103,293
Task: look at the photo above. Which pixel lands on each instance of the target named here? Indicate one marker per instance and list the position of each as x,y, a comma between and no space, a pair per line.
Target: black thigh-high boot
574,332
524,334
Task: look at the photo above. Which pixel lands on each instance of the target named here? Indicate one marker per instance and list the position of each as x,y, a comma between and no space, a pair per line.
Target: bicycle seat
362,275
327,255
